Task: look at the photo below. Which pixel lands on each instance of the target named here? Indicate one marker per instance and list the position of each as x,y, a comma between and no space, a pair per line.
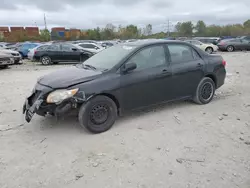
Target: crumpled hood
66,77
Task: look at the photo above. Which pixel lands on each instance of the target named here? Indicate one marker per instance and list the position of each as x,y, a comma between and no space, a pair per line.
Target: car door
70,52
54,52
187,69
245,45
149,82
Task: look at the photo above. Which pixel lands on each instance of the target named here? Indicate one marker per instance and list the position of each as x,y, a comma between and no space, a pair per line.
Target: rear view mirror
129,67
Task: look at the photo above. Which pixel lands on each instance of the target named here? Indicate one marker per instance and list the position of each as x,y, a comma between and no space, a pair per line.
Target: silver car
6,60
16,55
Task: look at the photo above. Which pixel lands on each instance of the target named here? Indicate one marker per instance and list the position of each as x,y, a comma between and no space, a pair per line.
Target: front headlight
60,95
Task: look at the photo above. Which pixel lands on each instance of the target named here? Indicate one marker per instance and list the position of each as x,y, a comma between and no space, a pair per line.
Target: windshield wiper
89,66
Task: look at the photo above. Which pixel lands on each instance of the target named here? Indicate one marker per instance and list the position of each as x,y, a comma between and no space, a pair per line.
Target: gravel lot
176,145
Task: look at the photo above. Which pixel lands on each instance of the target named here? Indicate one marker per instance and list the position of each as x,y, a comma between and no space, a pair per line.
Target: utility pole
45,23
168,31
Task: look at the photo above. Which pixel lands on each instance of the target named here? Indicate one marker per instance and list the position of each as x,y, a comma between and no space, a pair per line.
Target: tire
205,91
209,50
4,66
92,110
45,60
230,48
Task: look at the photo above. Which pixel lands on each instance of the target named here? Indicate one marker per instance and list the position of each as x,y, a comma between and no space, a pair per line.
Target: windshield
109,57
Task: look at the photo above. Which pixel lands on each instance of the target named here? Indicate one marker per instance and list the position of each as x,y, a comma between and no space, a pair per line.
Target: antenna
45,23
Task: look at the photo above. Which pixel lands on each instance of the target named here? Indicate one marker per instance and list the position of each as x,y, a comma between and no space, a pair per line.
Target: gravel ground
176,145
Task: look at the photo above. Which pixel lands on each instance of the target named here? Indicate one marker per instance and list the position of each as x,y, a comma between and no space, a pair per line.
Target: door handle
199,65
164,71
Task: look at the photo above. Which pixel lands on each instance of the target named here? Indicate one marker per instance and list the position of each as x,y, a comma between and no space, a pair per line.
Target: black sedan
61,52
126,77
234,44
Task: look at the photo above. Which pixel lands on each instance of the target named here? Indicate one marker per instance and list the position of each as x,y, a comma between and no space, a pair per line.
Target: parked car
61,52
16,55
33,50
209,48
208,40
126,77
6,60
24,48
92,47
245,38
234,44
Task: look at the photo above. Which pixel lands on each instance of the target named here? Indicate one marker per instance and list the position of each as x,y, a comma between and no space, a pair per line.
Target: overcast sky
85,14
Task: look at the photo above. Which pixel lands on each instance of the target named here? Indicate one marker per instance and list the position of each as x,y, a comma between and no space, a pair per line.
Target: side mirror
129,67
96,48
74,49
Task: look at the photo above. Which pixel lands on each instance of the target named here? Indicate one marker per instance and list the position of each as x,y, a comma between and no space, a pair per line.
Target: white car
15,54
91,47
209,48
33,50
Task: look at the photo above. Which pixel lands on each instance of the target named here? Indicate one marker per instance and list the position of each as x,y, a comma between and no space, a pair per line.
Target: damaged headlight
60,95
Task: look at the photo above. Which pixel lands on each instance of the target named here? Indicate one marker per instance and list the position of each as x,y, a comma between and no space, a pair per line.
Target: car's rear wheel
205,91
230,48
98,115
45,60
209,50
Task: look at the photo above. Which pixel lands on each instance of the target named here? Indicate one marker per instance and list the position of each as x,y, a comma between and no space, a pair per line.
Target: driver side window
149,57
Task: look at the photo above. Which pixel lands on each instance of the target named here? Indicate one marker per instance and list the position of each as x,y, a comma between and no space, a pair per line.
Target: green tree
44,35
185,28
201,28
247,24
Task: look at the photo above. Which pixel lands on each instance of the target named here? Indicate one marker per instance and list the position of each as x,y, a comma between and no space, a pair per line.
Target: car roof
141,43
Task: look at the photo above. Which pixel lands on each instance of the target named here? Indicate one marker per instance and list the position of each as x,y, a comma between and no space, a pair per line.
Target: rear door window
54,47
180,53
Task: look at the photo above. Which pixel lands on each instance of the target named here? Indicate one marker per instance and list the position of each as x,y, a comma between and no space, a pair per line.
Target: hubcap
45,60
209,50
207,91
99,114
230,48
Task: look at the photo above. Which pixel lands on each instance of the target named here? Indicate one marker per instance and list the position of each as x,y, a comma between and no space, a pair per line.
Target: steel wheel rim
99,114
45,60
207,91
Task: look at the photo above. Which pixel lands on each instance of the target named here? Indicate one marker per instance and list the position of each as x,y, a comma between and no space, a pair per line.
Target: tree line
182,29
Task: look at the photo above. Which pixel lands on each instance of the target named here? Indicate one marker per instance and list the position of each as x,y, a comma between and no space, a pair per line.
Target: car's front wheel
45,60
205,91
98,114
209,50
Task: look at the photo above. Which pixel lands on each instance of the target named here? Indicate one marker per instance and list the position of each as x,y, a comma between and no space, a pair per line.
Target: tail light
35,52
222,43
224,63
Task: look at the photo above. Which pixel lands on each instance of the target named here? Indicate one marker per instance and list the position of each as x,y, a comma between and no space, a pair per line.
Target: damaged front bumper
36,104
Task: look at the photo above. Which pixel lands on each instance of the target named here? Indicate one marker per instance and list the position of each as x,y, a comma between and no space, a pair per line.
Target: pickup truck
6,60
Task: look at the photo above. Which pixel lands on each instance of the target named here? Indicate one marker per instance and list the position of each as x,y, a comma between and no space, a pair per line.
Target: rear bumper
221,76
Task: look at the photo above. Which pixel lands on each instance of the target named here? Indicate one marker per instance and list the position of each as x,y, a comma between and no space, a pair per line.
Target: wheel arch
112,97
213,77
